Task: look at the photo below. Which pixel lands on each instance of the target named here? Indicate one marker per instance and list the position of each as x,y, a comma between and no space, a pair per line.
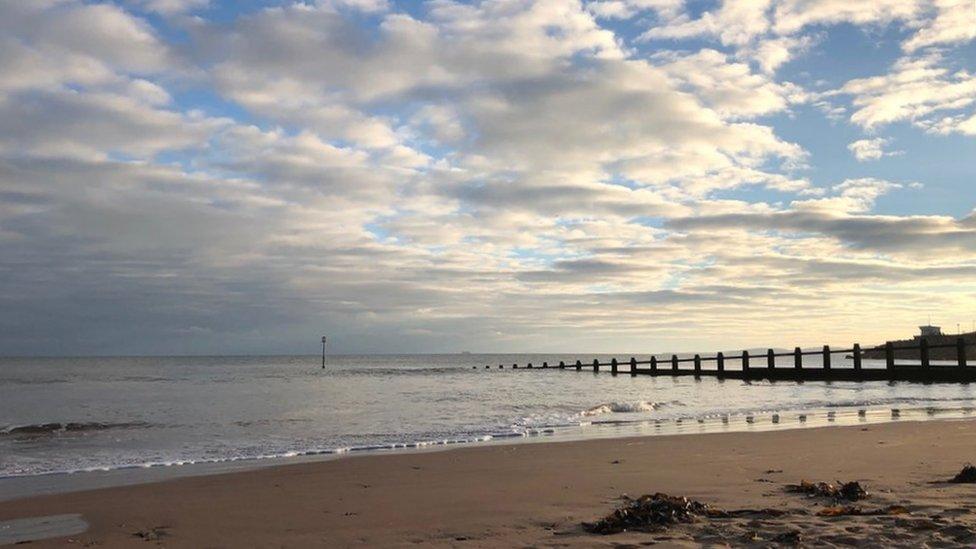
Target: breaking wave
40,429
624,408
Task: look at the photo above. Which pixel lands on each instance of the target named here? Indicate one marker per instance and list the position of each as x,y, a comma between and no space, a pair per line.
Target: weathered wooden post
826,357
745,361
674,363
579,365
633,366
613,366
798,358
562,365
529,365
961,352
596,365
857,356
923,349
545,364
697,365
720,361
771,359
515,366
653,363
889,355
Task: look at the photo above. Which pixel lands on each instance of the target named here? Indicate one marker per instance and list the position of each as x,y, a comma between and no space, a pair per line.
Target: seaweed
856,510
847,491
648,513
966,476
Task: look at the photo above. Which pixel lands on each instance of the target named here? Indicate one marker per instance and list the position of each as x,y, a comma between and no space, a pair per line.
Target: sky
210,177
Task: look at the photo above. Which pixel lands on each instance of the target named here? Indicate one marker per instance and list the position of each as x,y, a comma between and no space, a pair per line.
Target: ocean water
61,415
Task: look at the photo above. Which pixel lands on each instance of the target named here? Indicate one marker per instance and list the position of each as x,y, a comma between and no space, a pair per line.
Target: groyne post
596,365
562,365
745,361
798,358
633,366
923,351
697,365
826,357
674,363
653,363
579,365
613,366
961,352
545,364
889,355
720,361
771,359
857,356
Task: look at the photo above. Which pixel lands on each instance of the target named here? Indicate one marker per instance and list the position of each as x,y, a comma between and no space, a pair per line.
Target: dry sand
527,495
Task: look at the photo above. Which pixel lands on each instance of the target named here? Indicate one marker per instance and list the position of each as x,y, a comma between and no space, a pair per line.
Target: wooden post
579,365
771,359
674,363
798,358
697,365
720,361
562,365
889,355
633,366
961,352
857,356
529,366
596,365
613,366
515,366
653,363
923,348
826,357
745,361
545,364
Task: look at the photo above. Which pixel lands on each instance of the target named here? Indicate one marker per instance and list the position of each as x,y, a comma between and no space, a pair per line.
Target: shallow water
82,414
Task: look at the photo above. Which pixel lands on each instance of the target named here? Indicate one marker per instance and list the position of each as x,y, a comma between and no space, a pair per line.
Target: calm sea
60,415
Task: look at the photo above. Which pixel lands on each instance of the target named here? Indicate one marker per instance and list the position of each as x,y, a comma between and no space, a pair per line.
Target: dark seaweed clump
648,513
966,476
847,491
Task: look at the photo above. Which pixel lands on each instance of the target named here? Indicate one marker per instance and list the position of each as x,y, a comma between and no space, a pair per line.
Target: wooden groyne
789,365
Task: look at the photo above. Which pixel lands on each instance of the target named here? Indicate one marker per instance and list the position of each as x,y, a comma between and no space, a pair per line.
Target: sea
63,420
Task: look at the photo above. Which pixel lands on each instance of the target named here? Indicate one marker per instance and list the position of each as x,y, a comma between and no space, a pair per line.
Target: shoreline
53,483
517,494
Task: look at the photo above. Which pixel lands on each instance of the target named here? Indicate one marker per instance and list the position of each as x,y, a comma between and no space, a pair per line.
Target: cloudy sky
194,176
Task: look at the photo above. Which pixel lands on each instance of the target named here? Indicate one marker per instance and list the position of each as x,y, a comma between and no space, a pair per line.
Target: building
930,331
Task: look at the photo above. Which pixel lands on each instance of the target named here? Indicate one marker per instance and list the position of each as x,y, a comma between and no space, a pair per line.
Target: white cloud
954,22
916,89
870,149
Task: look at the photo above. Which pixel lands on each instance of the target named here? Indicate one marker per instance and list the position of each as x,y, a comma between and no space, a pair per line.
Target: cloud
865,150
916,90
496,173
954,22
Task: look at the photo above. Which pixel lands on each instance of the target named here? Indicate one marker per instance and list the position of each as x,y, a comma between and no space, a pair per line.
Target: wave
40,429
625,407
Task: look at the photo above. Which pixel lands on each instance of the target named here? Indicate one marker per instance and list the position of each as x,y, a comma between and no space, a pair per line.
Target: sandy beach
538,494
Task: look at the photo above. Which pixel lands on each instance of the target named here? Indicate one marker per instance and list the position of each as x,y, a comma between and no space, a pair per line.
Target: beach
538,494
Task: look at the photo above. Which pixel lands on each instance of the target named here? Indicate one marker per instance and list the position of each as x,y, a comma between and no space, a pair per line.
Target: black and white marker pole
323,352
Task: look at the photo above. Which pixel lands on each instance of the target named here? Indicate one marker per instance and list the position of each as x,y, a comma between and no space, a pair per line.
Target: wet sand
537,494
